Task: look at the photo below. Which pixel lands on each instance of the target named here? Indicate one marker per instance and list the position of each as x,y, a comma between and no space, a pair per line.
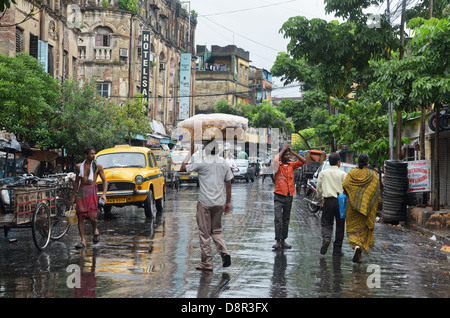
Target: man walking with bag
329,186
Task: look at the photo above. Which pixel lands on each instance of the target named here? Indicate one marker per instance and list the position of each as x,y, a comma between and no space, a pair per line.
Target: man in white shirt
231,161
329,186
214,176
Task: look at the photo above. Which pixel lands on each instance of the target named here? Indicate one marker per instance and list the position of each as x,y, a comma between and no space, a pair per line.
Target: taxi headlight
139,179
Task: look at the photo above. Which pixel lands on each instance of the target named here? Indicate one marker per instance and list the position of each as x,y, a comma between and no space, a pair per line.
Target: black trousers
330,213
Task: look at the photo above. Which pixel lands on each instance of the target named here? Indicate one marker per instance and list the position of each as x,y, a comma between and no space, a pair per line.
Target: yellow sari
362,189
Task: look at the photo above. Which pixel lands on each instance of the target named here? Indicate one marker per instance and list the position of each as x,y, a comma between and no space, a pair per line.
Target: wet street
139,257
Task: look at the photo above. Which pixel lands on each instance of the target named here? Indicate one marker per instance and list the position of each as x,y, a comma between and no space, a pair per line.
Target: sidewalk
429,222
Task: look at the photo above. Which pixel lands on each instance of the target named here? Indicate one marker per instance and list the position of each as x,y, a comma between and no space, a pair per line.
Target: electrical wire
271,48
248,9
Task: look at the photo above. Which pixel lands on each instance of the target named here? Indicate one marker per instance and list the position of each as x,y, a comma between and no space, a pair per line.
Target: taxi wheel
149,205
160,203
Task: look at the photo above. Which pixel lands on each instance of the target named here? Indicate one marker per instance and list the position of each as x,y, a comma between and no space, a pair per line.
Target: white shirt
329,183
231,162
212,174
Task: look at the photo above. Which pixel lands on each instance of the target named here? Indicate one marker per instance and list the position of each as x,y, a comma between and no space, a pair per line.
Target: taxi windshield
122,160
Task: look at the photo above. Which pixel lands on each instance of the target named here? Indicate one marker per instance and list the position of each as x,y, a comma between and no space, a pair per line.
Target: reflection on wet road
139,257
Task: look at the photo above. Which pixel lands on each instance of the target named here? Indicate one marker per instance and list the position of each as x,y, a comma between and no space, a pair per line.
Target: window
102,40
19,40
103,36
104,89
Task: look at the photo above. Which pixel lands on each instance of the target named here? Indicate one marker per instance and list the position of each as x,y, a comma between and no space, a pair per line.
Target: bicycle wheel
41,226
60,225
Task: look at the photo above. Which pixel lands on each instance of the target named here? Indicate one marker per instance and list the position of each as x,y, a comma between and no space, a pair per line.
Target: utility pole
390,108
423,109
398,131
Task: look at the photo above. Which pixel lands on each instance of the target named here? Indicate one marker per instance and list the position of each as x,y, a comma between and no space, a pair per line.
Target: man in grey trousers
215,177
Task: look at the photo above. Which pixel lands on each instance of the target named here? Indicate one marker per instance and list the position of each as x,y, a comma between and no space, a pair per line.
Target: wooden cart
37,208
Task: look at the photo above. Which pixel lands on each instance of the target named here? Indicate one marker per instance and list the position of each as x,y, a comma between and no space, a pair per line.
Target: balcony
102,53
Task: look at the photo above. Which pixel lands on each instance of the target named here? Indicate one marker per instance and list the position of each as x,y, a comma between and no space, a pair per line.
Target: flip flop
96,238
203,268
80,246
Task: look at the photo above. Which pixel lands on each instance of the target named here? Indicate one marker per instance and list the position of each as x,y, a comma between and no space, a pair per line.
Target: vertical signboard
145,65
43,54
185,85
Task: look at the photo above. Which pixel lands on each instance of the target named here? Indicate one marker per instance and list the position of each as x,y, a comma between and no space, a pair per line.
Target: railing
102,53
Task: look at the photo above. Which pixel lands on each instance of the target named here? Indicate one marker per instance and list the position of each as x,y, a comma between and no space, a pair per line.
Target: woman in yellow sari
362,189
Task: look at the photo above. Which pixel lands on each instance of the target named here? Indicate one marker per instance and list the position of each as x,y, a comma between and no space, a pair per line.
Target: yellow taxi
133,178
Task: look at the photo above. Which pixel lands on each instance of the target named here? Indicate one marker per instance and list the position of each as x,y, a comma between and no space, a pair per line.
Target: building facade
102,40
42,30
261,85
222,73
110,50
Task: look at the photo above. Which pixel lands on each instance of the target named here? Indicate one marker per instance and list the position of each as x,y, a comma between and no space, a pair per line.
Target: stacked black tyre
395,191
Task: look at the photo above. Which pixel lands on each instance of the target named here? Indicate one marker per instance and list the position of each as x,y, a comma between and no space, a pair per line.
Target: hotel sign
145,65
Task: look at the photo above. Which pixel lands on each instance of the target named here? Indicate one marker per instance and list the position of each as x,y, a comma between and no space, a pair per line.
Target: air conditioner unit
123,53
162,65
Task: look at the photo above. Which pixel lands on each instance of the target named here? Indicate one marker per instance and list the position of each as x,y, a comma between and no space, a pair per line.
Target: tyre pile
395,191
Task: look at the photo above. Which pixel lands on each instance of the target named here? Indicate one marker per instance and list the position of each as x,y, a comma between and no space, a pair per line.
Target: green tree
262,115
28,100
86,118
133,118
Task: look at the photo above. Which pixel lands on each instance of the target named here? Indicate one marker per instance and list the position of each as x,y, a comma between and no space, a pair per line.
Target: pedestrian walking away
214,198
362,188
283,193
329,186
85,194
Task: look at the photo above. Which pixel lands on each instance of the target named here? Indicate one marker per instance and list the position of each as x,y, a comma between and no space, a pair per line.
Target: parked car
177,160
244,170
326,165
133,178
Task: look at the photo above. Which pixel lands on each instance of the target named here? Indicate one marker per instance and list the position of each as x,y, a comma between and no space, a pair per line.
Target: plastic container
71,217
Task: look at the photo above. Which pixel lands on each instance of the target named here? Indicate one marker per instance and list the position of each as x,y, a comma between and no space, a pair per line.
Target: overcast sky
253,25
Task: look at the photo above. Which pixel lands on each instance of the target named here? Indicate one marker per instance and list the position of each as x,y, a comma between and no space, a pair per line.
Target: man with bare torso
85,190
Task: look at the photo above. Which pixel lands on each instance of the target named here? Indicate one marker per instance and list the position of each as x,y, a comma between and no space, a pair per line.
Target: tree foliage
70,115
28,100
262,115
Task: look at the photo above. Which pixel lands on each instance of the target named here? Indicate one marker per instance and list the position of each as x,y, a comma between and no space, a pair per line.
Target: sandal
80,246
96,238
204,268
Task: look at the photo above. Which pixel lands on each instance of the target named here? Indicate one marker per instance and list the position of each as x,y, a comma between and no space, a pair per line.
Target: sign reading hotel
418,176
185,84
145,65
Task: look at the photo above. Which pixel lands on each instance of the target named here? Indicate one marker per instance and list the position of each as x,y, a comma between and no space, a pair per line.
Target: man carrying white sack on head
213,201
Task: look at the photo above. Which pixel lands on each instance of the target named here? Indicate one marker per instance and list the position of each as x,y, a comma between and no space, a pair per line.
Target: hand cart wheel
60,225
41,226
